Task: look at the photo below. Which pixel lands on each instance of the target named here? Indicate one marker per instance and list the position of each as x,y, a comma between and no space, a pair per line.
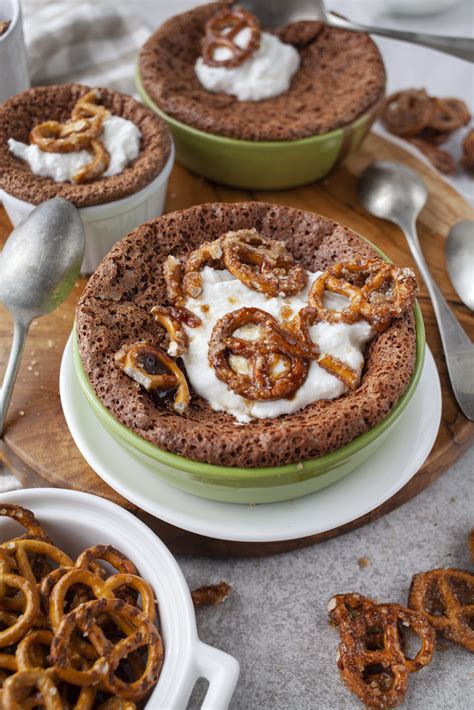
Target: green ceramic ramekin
253,485
262,165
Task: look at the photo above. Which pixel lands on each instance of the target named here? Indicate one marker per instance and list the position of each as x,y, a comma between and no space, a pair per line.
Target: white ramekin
79,520
105,224
13,69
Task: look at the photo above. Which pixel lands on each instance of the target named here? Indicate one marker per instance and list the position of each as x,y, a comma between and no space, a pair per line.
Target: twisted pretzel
207,253
171,318
221,31
88,560
84,619
448,115
262,383
263,265
21,548
446,596
371,657
377,291
17,689
26,519
17,627
406,113
154,370
79,134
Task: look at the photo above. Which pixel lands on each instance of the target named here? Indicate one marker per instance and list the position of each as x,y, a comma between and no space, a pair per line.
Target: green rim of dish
255,145
199,468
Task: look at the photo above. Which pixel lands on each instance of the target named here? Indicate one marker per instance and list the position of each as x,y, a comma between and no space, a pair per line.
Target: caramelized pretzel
171,318
79,134
153,369
448,115
221,32
371,656
208,252
263,265
446,596
407,112
441,159
173,275
261,383
17,689
339,369
17,627
84,619
213,594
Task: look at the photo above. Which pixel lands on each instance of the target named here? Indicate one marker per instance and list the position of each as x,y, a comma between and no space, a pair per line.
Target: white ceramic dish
78,520
13,69
105,224
377,480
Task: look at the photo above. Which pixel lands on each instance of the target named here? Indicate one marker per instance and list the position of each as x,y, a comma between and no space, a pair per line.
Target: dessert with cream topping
247,334
88,145
216,69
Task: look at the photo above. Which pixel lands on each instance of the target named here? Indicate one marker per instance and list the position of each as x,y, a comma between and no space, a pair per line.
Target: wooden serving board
37,445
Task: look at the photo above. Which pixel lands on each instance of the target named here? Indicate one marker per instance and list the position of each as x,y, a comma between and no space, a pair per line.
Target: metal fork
277,13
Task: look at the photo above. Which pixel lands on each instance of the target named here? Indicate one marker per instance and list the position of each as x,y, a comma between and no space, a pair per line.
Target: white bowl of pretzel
81,582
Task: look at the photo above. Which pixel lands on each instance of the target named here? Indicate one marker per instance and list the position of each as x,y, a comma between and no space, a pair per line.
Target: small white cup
13,69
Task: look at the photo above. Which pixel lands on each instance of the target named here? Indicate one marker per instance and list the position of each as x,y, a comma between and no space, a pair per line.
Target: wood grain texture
37,444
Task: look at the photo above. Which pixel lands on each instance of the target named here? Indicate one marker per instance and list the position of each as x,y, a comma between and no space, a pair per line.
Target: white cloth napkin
92,43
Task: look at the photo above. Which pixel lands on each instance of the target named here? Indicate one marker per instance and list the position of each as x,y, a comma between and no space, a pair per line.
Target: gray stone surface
275,621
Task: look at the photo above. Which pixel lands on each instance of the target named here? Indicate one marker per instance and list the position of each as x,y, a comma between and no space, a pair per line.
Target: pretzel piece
20,549
171,318
207,253
17,689
371,657
17,627
221,32
211,595
406,113
97,167
446,596
262,264
84,619
26,518
154,370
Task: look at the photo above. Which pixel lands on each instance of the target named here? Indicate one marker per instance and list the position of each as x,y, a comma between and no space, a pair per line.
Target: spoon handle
457,346
462,47
19,336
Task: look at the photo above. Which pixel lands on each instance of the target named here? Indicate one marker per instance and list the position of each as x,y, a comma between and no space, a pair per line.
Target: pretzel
88,560
18,687
339,369
171,318
448,115
17,627
82,133
84,619
19,549
371,657
154,370
26,518
213,594
446,596
261,264
441,159
261,383
221,31
407,112
467,160
377,291
208,252
173,275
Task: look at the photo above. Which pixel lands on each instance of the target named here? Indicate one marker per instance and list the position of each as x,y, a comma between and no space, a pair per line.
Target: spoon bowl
38,267
392,191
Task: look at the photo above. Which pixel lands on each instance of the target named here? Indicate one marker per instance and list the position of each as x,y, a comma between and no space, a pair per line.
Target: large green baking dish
262,165
253,485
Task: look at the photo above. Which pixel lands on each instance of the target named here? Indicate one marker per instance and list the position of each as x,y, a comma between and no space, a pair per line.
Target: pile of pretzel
278,360
427,121
73,635
221,32
373,658
80,133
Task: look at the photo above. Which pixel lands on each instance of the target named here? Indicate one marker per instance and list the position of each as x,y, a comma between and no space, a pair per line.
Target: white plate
79,520
375,481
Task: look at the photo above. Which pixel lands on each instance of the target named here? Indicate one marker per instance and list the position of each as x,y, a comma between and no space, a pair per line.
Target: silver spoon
460,261
396,193
277,13
38,267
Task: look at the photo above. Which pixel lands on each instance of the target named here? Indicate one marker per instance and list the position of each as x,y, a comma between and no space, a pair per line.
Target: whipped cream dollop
120,136
223,293
267,72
